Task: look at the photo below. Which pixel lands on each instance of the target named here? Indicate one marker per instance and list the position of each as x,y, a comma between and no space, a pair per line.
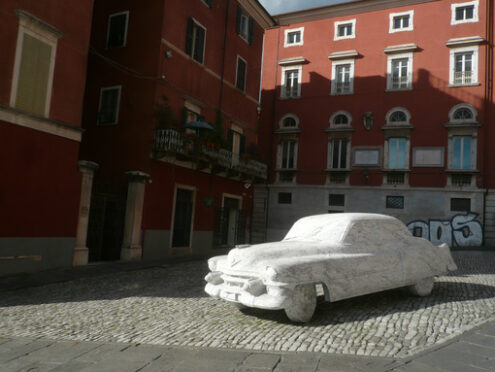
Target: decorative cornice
258,12
292,61
464,41
28,17
471,124
397,126
288,131
343,54
25,119
400,48
343,129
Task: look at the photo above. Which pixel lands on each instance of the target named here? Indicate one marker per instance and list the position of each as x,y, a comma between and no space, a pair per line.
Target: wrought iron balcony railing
170,141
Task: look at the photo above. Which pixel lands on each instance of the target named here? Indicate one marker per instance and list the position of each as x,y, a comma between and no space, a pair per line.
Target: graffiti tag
462,230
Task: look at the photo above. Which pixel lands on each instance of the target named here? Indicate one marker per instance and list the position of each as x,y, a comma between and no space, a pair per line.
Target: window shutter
251,30
238,23
189,37
230,138
242,145
199,44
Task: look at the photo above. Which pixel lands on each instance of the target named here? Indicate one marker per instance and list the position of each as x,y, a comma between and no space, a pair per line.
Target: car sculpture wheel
337,255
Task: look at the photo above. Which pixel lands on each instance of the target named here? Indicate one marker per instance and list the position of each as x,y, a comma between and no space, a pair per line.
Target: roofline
258,12
350,7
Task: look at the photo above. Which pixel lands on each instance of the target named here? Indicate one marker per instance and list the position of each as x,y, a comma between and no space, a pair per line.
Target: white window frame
463,106
237,71
126,12
33,27
119,88
391,58
204,43
335,64
330,153
409,13
280,155
286,116
283,90
474,150
468,49
291,30
244,33
336,25
387,153
454,7
337,113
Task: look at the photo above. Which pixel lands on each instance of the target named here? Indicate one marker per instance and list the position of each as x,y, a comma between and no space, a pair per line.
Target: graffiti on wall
462,230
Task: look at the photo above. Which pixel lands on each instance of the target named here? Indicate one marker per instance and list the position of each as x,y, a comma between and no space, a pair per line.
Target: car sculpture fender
339,255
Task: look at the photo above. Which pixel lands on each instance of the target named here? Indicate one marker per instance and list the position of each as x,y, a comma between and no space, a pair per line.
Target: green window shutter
241,75
250,30
238,22
242,146
32,85
199,44
189,36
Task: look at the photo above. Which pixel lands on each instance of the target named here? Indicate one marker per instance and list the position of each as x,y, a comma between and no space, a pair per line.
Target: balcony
169,142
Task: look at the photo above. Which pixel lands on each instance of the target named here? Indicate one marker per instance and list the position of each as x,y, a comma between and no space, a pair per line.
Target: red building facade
387,107
42,79
171,117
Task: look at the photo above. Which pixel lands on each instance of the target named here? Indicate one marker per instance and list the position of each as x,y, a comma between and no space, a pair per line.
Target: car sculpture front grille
238,283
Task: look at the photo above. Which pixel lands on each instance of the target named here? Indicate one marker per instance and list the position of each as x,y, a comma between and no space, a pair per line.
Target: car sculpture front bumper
247,290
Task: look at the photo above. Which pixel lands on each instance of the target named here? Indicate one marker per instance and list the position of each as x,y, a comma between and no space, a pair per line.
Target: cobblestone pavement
167,306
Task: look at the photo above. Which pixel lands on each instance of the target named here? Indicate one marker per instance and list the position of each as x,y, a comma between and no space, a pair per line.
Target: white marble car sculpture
342,255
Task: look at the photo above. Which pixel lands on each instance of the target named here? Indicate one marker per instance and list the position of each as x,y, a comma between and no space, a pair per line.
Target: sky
286,6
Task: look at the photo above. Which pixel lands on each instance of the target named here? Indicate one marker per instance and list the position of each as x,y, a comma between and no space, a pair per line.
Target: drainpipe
488,98
222,77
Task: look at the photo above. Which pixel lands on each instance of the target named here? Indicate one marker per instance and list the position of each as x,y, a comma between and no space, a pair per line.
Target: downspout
222,77
487,99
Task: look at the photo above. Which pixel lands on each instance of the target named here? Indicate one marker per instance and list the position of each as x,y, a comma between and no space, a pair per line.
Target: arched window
340,118
398,115
462,113
289,121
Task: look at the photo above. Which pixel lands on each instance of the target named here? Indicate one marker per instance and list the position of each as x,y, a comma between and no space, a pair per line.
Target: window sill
463,85
342,94
471,171
388,170
393,31
293,45
291,97
399,89
344,128
344,37
288,130
338,170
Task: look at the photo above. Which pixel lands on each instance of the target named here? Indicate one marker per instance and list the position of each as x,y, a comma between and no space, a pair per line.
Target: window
117,29
244,25
294,37
338,152
399,72
284,198
195,40
287,157
108,112
397,150
460,205
183,217
462,156
34,65
342,77
398,116
291,81
237,143
240,79
289,121
401,21
395,202
345,29
463,113
336,200
464,66
464,12
340,119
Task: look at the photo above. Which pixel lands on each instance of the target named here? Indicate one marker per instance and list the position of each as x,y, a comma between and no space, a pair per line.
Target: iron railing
172,141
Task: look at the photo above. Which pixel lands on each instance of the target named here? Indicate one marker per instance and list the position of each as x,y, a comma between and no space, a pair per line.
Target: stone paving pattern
167,306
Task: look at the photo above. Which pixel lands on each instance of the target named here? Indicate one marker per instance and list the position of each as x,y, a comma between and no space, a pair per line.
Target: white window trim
339,23
334,76
474,149
204,44
245,36
119,87
460,106
281,122
337,113
392,57
284,69
194,191
453,51
32,27
237,71
386,154
392,30
391,111
475,18
347,155
286,40
279,154
126,27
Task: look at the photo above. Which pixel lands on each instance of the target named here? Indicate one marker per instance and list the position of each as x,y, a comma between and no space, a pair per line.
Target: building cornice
336,10
258,12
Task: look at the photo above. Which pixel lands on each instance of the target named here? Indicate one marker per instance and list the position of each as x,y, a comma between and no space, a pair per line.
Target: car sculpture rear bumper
247,290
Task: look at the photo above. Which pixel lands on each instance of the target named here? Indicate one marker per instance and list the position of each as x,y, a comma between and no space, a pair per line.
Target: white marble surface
350,254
